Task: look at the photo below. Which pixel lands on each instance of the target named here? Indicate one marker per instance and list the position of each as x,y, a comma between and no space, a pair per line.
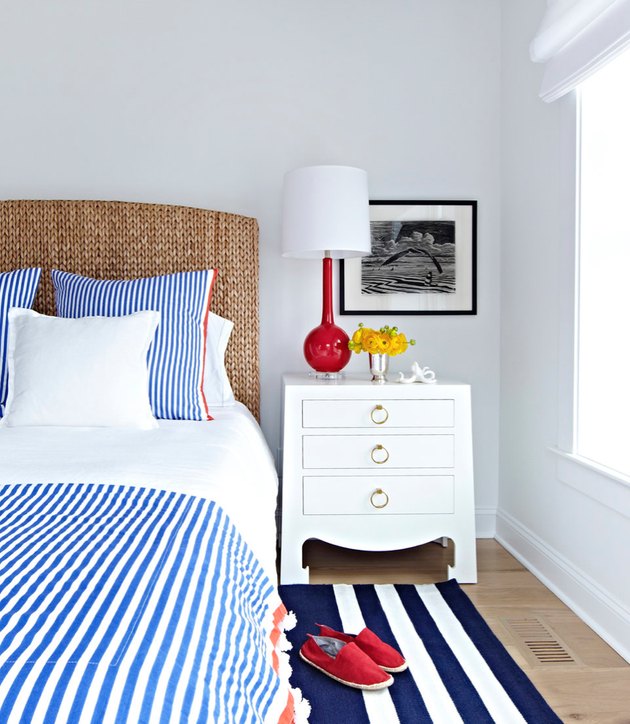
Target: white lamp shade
326,209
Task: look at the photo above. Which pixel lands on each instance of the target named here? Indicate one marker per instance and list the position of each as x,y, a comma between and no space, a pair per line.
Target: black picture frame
423,261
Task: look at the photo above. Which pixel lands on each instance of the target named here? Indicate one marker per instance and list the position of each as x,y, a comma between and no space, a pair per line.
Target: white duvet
226,460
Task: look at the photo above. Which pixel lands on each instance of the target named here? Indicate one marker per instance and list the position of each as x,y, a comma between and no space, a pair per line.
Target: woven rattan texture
120,240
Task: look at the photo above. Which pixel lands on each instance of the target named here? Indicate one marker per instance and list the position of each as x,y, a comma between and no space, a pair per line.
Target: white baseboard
485,522
608,617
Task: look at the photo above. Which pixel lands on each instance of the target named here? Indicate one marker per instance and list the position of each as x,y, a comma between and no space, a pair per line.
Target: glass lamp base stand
326,375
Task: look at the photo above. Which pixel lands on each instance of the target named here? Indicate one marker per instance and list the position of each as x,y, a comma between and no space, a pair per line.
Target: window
603,341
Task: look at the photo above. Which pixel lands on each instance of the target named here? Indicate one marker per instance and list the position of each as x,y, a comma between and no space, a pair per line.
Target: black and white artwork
410,257
423,261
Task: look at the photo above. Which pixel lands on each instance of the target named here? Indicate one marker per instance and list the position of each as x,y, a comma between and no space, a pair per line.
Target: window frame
602,484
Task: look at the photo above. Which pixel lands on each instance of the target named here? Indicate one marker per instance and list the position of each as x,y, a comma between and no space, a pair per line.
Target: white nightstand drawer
378,413
400,495
378,451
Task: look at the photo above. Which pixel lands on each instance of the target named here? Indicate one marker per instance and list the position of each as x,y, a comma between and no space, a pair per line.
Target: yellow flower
398,344
386,340
354,344
371,341
385,343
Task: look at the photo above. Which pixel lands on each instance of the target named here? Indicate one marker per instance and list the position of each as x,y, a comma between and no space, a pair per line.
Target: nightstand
376,468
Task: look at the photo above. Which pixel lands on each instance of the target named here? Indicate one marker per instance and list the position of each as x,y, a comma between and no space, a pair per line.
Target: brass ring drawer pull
379,448
378,492
382,417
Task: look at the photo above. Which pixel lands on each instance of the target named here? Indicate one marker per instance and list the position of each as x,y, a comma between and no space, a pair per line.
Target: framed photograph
423,261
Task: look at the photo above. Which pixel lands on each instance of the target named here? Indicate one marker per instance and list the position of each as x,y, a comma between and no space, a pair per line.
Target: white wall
568,526
209,103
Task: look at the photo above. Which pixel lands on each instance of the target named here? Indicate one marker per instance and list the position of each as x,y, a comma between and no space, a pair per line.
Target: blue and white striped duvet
124,604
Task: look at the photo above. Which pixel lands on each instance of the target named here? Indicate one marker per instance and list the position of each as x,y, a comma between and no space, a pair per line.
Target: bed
137,567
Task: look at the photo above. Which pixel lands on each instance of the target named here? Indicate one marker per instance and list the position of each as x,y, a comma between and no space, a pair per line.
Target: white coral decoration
418,374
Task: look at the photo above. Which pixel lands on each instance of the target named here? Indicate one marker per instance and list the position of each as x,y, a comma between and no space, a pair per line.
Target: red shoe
344,662
381,653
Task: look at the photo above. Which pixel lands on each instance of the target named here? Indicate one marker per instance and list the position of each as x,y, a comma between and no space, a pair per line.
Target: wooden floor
579,675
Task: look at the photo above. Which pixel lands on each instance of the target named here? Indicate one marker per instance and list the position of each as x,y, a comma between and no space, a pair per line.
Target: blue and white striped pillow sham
17,289
176,357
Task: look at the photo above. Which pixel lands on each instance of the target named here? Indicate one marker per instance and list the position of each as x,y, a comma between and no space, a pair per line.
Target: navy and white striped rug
458,670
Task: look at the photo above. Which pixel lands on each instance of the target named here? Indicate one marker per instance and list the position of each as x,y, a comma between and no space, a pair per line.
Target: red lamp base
326,348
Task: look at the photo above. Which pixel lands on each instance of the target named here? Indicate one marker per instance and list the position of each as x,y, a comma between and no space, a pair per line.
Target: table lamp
326,215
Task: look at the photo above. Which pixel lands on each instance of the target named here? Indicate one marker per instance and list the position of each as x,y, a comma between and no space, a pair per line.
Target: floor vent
539,642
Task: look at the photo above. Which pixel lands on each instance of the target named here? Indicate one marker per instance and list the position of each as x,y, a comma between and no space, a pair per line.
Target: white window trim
577,38
608,487
568,272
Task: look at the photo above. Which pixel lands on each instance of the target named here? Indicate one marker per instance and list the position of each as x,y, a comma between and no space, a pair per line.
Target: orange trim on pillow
205,341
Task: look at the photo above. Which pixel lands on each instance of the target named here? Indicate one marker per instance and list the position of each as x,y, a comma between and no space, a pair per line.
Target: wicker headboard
118,240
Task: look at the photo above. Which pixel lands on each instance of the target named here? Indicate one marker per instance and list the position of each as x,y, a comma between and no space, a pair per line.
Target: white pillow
176,356
87,372
216,383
